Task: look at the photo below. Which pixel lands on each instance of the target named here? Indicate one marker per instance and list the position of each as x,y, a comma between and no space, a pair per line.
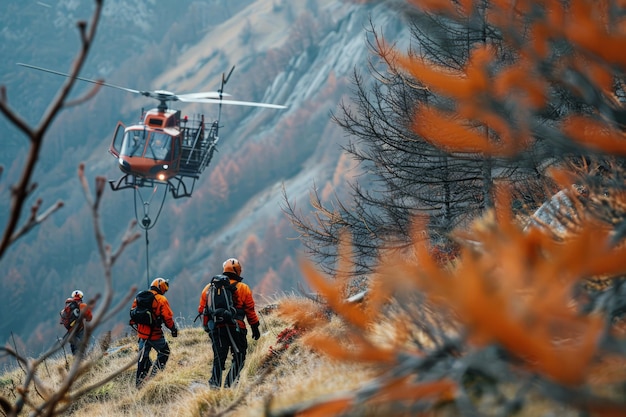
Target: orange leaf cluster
596,134
516,291
591,27
358,347
334,407
474,90
403,390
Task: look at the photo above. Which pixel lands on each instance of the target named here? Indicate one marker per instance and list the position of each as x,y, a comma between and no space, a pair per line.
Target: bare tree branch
23,188
55,400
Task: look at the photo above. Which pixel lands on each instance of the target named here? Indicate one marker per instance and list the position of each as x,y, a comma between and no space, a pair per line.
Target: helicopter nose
124,165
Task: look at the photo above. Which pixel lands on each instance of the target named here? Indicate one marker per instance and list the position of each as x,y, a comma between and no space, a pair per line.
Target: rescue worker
152,336
231,337
77,338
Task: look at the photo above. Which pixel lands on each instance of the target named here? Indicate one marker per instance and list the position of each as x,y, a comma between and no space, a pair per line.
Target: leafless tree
404,174
55,401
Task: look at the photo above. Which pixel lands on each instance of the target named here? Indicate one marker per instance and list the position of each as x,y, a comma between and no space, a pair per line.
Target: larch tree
405,172
516,341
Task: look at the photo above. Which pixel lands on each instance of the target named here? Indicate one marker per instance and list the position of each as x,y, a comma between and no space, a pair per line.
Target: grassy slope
291,374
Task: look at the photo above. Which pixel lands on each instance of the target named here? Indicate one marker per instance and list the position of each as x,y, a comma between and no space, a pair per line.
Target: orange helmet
161,285
232,265
77,294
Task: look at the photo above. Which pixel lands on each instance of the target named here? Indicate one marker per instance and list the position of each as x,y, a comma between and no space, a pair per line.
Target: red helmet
232,265
161,285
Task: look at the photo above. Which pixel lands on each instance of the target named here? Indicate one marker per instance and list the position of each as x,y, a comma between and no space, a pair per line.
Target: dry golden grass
284,375
296,374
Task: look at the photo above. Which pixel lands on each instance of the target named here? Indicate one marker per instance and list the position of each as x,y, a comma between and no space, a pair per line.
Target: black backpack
142,313
70,313
219,306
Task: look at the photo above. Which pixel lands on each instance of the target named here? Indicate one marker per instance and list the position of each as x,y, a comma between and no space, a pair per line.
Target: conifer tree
405,172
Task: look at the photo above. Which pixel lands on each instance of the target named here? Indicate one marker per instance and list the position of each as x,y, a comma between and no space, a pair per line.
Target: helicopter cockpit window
134,143
159,146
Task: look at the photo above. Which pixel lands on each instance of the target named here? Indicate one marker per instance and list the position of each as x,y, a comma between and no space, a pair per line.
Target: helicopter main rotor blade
163,96
241,103
130,90
191,97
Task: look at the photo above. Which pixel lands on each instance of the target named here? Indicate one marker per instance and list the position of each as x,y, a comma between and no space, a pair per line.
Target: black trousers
224,340
144,363
76,340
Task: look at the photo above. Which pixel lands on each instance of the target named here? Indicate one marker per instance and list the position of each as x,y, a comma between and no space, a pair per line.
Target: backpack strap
210,326
158,319
240,313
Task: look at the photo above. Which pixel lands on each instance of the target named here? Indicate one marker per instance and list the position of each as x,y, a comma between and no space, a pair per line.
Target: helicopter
164,148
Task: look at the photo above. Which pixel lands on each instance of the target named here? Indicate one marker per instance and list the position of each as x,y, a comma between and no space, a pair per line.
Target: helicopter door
116,143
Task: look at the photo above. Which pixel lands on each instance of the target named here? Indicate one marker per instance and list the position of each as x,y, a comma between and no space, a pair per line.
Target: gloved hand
255,331
174,332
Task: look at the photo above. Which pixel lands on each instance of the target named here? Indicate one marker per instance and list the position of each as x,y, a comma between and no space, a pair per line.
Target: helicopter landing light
161,177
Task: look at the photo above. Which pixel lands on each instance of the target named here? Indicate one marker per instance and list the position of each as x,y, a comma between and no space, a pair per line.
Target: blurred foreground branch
36,134
55,400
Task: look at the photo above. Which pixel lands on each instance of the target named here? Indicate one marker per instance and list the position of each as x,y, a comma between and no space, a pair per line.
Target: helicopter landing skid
176,185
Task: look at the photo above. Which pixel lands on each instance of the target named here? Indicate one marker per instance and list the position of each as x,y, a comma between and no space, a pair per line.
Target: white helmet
78,294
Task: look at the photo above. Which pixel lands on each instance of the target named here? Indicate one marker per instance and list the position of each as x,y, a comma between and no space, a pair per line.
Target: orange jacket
242,299
162,310
86,311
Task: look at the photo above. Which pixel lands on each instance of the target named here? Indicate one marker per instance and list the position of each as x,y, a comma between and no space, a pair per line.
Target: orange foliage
449,82
356,349
287,267
516,291
451,133
522,80
509,287
352,313
474,88
402,389
251,250
218,183
334,407
587,25
596,134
